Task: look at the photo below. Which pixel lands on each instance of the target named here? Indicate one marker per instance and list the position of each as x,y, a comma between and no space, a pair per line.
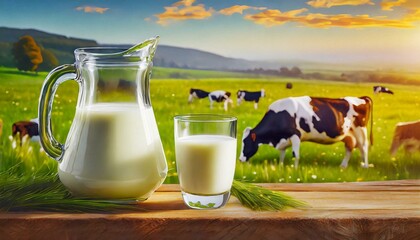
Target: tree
27,54
284,71
49,60
295,72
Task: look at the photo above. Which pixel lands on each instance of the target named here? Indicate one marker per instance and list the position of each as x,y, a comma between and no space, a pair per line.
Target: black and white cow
197,93
381,89
26,128
292,120
244,95
215,96
220,96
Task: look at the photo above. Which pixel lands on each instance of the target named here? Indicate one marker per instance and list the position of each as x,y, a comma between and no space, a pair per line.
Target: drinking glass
205,147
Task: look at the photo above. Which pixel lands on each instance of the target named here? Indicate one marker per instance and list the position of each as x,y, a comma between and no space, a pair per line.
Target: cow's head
239,93
249,144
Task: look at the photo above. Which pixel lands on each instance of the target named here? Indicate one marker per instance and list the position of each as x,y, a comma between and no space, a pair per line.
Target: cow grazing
197,93
408,135
250,96
26,128
292,120
220,96
381,89
289,85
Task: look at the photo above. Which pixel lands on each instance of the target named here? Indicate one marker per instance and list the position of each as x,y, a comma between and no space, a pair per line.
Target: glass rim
99,50
205,117
110,56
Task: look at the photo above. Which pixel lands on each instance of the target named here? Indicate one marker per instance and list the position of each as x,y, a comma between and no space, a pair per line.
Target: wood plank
403,185
368,210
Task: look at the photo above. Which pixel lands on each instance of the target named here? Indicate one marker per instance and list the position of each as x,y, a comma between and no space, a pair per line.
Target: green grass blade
48,194
261,199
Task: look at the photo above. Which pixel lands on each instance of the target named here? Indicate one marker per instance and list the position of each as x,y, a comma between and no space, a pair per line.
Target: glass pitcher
113,149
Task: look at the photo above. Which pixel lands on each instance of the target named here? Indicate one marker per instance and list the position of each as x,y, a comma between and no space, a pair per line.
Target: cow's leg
239,101
395,144
362,144
282,155
190,98
211,103
350,144
256,105
295,139
226,104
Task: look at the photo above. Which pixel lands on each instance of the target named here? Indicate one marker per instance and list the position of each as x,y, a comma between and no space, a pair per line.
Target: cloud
388,5
188,9
92,9
333,3
273,17
413,15
234,9
183,10
349,21
186,3
238,9
318,20
411,7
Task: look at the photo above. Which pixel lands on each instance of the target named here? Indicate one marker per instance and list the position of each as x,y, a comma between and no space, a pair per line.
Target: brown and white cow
408,135
24,128
292,120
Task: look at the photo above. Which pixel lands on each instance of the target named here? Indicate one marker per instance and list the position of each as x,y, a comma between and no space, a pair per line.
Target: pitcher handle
57,76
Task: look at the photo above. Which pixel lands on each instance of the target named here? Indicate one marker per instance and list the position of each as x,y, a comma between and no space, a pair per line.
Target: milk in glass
206,163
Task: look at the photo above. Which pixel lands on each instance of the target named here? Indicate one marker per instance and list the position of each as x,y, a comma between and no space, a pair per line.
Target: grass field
319,163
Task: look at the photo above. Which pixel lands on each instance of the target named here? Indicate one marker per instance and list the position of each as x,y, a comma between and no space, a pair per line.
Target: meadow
19,94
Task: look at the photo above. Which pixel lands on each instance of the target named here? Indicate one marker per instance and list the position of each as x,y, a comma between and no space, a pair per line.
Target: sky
374,32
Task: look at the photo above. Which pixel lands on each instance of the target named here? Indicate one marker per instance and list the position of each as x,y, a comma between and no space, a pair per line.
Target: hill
186,58
61,46
166,56
169,56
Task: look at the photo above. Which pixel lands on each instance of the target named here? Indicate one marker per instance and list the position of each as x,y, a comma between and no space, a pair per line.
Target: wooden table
365,210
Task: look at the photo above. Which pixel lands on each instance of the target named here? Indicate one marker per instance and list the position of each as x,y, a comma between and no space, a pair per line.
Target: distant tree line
282,71
294,72
379,77
161,62
351,76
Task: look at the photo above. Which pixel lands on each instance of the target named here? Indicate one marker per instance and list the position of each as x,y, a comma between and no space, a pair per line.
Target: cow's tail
370,104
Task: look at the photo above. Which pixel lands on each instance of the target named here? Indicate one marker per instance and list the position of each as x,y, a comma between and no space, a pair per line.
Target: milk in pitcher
117,155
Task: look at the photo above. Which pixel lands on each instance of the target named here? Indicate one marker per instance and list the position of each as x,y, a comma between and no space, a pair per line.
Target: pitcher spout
144,51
